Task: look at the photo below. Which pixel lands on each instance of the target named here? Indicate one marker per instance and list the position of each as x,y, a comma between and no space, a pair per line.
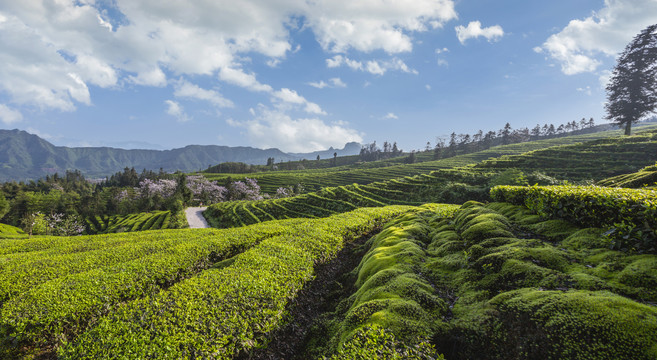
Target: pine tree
632,89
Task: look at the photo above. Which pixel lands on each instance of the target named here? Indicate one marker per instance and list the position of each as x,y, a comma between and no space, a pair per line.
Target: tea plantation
420,261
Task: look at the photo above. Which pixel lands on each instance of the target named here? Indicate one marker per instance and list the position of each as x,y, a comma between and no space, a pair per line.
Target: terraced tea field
365,173
134,222
485,281
593,160
362,271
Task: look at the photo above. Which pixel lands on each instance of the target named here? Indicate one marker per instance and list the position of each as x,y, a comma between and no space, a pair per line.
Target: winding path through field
195,217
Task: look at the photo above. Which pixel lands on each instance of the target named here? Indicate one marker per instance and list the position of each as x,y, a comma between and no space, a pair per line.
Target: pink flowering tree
245,190
205,191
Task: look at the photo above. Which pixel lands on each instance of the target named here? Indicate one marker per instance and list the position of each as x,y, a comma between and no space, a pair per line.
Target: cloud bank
580,46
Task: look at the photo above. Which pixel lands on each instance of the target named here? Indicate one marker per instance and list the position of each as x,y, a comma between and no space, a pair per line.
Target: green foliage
616,161
509,177
644,178
221,312
4,205
156,220
573,325
629,214
567,297
377,343
11,232
392,296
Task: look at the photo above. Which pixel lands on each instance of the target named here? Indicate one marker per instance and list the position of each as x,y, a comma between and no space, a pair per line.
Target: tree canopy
632,89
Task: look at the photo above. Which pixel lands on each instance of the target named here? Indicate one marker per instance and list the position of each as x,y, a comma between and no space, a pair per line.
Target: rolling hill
24,156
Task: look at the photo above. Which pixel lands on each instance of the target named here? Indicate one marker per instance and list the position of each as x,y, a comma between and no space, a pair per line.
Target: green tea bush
629,214
392,299
557,293
225,311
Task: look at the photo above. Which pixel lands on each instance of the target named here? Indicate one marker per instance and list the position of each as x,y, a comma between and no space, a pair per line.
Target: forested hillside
27,157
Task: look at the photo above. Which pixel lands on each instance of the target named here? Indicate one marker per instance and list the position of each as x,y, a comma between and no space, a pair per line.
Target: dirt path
195,217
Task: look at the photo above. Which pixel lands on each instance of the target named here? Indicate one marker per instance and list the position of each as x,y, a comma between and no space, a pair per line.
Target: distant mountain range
24,156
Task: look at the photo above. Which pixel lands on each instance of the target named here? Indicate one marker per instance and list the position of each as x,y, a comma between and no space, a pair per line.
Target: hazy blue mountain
24,156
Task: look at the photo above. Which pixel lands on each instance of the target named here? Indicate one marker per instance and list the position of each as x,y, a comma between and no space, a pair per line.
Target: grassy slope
157,220
365,173
593,160
493,282
644,178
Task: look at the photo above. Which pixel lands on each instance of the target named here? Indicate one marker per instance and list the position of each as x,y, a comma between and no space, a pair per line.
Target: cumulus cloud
52,51
366,26
288,96
186,89
176,110
391,116
9,115
274,128
376,67
474,30
283,96
240,78
580,46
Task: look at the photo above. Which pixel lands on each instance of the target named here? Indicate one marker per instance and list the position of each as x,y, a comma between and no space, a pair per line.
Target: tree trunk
628,128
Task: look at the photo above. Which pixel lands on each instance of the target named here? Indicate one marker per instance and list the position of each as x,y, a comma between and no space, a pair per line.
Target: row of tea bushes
644,178
11,232
156,220
522,287
629,214
394,310
451,185
63,284
228,309
383,170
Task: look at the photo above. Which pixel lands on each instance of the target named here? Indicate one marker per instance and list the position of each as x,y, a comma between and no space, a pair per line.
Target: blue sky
304,75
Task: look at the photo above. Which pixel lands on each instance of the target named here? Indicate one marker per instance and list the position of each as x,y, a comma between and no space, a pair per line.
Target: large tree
632,89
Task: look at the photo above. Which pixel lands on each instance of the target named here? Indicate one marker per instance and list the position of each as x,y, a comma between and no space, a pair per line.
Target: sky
304,75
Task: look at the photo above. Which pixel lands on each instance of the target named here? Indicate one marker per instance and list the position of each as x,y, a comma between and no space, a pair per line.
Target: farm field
328,180
486,281
156,220
587,161
458,263
368,172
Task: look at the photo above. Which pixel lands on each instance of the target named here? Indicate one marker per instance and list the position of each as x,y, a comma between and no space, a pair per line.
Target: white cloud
292,97
273,128
333,83
371,25
282,96
152,77
391,116
586,90
579,46
443,50
9,115
242,79
41,42
376,67
337,82
319,85
176,110
185,89
474,30
428,87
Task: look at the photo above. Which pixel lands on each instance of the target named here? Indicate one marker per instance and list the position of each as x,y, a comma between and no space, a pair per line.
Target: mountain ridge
25,156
